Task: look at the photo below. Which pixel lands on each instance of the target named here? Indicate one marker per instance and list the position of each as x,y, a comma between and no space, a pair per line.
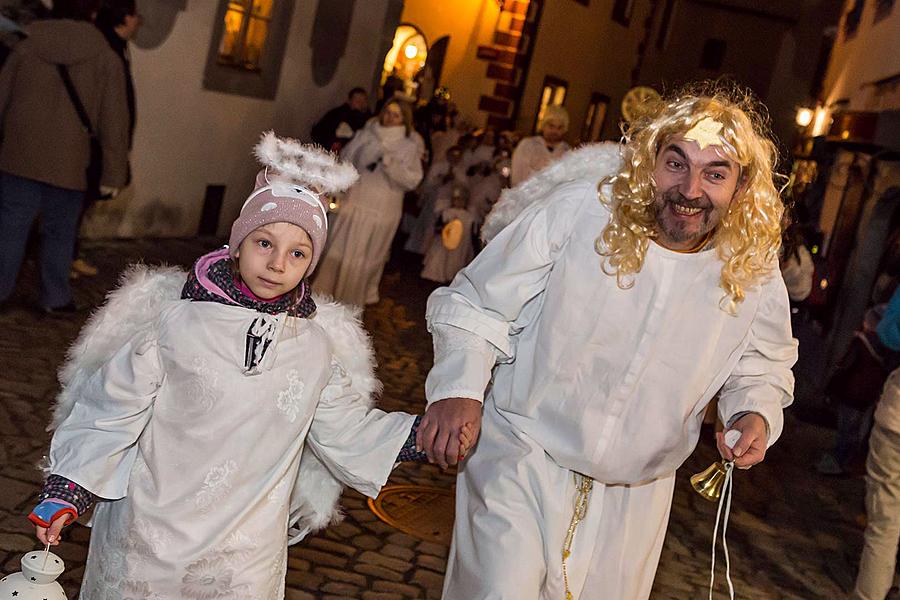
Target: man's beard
677,231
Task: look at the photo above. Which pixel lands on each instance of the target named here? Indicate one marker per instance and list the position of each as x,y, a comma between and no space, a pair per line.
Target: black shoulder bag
95,164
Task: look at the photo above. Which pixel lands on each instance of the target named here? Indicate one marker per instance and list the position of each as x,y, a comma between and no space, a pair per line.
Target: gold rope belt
583,487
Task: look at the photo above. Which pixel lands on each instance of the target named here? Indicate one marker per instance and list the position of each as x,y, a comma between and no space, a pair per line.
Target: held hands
750,449
446,427
50,535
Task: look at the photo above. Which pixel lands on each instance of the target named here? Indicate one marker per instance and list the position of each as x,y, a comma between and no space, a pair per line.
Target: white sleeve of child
358,444
95,446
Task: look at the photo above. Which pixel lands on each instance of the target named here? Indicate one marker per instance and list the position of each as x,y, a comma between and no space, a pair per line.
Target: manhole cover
421,511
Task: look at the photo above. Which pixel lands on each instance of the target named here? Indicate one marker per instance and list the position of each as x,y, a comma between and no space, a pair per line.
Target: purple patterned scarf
211,280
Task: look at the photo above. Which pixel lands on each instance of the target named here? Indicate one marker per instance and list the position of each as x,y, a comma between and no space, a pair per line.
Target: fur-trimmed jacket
203,467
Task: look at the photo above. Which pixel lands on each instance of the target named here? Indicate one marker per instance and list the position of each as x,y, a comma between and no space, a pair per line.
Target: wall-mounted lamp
804,117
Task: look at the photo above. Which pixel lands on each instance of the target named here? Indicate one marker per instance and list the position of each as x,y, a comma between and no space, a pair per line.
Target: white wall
188,137
468,23
584,46
872,54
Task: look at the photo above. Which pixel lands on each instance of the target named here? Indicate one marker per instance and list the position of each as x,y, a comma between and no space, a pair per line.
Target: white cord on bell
724,499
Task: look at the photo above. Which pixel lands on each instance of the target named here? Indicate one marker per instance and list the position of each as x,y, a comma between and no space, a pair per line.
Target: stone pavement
792,535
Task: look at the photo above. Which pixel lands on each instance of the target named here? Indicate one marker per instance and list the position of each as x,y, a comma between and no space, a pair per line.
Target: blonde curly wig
748,237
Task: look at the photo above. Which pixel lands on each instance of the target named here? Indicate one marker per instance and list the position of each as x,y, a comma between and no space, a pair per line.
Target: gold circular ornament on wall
637,100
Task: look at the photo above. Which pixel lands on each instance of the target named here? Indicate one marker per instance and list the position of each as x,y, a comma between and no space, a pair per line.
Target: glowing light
845,134
815,249
804,117
823,284
410,51
821,121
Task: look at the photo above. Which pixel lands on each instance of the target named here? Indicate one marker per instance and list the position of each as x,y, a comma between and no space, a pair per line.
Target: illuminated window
594,118
247,47
553,92
246,27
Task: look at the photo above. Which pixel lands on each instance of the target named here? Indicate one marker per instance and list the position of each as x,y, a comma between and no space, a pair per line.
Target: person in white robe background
536,152
209,425
448,254
388,154
442,175
606,323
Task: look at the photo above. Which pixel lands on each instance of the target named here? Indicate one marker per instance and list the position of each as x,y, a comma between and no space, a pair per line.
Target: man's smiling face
694,189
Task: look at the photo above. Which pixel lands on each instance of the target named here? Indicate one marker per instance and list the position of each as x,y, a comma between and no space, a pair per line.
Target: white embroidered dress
588,378
199,461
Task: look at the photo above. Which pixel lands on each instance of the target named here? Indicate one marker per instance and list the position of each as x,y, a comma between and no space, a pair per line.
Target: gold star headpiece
705,132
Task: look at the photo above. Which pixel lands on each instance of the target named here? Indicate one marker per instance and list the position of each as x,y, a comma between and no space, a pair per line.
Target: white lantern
37,581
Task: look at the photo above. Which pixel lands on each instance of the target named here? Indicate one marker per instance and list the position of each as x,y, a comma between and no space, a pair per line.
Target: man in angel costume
606,325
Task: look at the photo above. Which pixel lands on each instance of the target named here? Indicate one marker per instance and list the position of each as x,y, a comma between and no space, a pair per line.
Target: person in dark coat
339,124
45,149
118,21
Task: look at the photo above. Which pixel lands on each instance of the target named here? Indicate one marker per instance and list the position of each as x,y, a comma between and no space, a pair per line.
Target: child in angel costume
215,416
453,249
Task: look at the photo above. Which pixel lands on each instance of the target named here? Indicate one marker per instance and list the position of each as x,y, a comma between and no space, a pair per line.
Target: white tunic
441,264
608,382
531,155
198,461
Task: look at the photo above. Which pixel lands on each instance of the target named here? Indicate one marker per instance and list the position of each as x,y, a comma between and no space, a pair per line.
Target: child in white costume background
208,425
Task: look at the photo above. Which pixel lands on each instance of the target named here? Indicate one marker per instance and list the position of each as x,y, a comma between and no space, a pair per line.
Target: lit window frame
263,82
592,128
236,58
554,85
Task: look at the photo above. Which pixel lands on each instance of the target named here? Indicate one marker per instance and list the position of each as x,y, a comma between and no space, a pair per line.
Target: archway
404,60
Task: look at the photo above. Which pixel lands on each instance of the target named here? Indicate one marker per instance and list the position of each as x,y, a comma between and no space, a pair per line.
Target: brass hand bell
709,483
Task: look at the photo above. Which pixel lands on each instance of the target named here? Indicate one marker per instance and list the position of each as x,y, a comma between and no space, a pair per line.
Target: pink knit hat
289,190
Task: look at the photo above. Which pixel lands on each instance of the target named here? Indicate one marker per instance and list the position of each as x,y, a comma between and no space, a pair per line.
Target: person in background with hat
621,289
536,152
207,426
44,147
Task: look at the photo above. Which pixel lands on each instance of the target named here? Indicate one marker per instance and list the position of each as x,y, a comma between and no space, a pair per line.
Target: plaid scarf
211,280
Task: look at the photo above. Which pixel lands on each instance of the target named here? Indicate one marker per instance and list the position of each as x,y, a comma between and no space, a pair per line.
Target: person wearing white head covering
536,152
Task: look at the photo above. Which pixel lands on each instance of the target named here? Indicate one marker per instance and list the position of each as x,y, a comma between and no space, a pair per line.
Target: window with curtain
246,27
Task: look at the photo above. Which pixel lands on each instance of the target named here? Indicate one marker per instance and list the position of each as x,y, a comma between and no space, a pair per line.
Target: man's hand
50,535
439,432
750,449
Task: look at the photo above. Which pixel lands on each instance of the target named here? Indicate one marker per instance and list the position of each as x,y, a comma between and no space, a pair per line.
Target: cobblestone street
793,534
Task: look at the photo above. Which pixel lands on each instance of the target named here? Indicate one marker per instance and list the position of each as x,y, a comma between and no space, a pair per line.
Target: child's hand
466,439
50,535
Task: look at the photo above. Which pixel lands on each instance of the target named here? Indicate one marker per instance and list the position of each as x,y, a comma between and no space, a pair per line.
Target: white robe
433,190
200,463
441,264
359,240
589,378
532,155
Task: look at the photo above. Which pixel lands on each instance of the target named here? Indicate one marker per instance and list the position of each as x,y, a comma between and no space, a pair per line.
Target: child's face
273,259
